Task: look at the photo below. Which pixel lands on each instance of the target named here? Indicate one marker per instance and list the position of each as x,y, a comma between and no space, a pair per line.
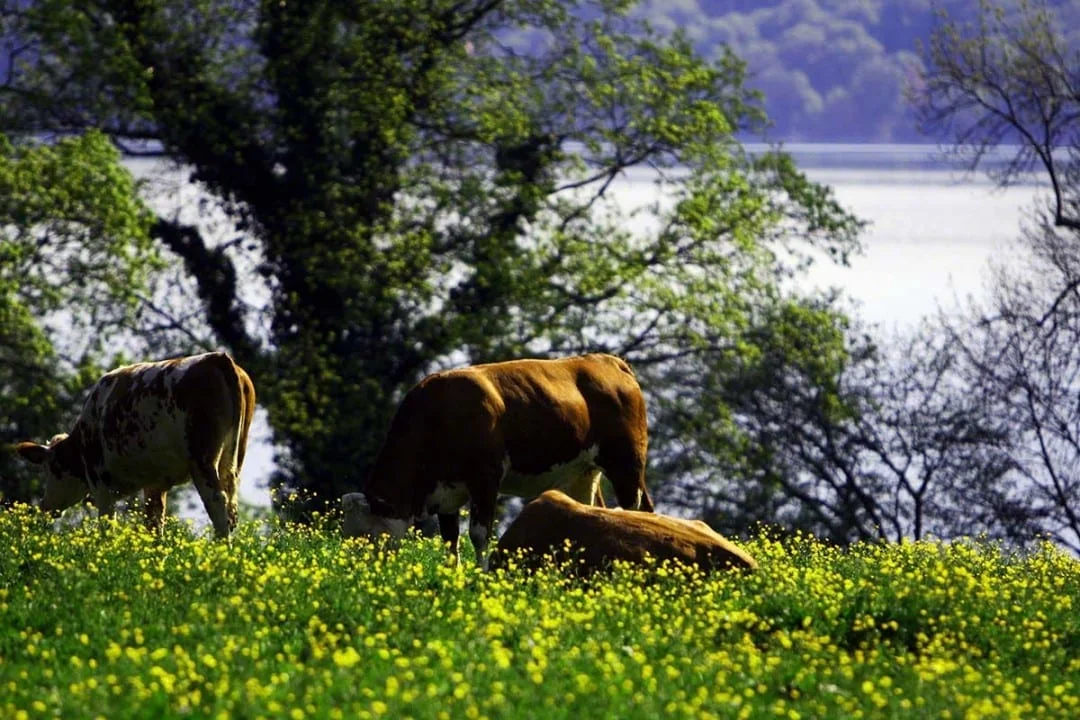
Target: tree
933,454
1010,76
1021,356
744,436
75,252
845,438
427,183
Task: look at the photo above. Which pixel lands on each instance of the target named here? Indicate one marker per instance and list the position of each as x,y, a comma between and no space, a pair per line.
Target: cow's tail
245,414
232,459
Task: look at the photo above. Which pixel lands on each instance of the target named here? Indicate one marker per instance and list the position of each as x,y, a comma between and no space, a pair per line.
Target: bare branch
217,283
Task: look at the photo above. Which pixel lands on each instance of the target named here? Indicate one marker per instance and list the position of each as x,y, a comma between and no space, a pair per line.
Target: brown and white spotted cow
151,426
556,526
518,428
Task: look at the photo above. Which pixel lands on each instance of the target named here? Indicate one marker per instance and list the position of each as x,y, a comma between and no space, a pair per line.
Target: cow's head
65,475
361,521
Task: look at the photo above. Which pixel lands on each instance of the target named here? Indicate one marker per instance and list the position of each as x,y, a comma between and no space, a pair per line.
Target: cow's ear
32,452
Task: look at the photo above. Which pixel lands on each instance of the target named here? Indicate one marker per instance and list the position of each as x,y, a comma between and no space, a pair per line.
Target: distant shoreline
884,156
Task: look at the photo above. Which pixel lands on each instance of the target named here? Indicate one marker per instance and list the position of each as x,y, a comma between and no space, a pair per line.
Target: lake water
933,230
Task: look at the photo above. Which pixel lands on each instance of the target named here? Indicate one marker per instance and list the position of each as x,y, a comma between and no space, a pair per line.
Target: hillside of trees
831,70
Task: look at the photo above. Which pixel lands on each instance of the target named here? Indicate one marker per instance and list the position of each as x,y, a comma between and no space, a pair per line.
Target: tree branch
216,277
174,75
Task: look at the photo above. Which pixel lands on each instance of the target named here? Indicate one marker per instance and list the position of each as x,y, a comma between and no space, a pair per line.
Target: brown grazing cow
555,524
518,428
151,426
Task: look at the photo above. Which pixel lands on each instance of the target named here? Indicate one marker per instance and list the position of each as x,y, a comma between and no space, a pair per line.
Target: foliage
75,255
298,623
1020,355
933,458
740,458
848,438
427,184
1011,76
832,70
31,390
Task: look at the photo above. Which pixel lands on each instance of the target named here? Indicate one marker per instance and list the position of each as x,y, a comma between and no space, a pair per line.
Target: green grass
104,620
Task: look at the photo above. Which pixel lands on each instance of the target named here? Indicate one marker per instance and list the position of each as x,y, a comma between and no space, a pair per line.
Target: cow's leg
598,496
482,473
586,488
229,485
228,473
624,466
104,502
481,524
214,498
155,509
450,529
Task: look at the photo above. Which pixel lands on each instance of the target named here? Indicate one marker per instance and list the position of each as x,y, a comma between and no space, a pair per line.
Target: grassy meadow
104,620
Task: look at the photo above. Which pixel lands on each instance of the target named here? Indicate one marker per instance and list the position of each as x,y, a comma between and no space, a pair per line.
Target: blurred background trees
1008,80
75,254
836,68
417,185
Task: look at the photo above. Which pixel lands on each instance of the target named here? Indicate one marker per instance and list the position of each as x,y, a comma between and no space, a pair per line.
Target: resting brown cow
151,426
518,428
597,536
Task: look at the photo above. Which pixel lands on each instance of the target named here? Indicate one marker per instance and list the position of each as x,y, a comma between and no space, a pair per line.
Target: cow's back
141,421
554,411
540,412
599,536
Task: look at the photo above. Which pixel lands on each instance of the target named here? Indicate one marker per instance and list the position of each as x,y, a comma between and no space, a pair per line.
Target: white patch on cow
146,446
351,502
359,521
446,498
578,478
